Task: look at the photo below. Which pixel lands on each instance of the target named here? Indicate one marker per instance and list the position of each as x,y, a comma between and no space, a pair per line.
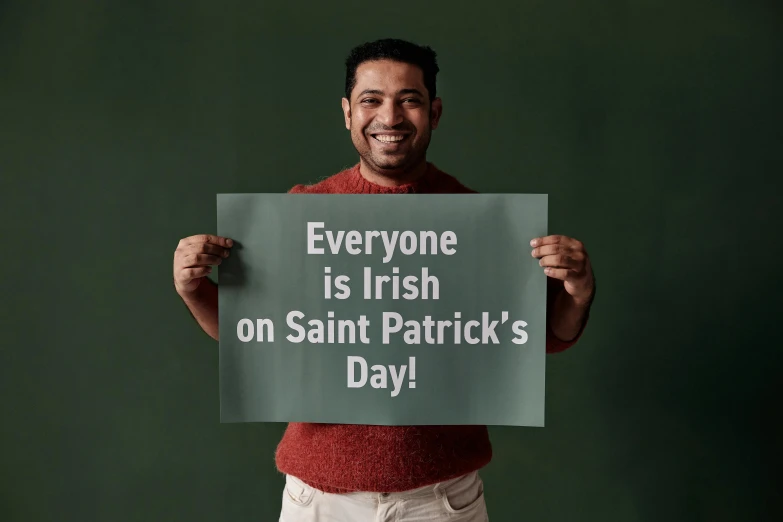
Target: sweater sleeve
553,344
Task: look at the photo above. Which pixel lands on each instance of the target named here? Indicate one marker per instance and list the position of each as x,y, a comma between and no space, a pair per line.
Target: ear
347,113
436,110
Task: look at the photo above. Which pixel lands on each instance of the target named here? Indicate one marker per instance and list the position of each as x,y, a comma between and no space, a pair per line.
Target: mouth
390,138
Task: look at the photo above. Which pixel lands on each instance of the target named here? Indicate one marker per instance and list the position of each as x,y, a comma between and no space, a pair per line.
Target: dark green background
654,127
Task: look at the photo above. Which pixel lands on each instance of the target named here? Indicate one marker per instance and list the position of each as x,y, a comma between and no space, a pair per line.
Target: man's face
390,116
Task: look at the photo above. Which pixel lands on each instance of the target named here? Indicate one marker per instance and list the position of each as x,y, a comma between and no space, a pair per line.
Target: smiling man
391,473
391,116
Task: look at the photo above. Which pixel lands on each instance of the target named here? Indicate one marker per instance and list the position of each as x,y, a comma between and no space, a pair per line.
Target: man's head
390,104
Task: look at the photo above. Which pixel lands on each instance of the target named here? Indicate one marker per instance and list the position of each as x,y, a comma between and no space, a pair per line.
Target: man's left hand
566,259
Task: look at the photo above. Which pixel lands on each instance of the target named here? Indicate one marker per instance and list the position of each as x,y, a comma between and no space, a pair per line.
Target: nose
390,114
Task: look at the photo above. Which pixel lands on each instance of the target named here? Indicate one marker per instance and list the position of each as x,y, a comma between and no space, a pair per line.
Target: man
384,473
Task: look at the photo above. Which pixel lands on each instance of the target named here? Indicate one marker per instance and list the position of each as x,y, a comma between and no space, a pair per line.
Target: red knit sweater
339,458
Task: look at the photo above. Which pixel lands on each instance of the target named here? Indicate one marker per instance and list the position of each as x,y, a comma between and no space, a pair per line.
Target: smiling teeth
388,139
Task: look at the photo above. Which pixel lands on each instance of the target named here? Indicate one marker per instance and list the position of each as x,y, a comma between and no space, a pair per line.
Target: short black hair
397,50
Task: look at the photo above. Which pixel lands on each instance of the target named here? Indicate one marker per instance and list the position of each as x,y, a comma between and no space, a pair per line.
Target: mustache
398,128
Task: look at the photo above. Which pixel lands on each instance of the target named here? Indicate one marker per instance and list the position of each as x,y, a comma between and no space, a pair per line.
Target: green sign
382,309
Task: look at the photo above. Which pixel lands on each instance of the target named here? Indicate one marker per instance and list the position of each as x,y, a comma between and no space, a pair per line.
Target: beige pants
457,500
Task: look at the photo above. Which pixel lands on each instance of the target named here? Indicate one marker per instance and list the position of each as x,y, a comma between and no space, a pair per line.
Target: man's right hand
194,258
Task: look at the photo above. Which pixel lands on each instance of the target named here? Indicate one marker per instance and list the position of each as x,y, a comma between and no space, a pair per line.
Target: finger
560,261
188,274
205,248
560,250
553,240
558,273
548,250
195,260
208,238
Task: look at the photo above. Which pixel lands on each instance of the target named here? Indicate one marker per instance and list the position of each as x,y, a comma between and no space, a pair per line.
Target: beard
394,162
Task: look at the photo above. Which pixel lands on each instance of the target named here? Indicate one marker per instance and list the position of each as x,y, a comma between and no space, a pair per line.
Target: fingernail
230,242
533,242
533,253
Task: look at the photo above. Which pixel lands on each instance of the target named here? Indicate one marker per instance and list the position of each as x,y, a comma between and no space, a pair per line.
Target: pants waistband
432,490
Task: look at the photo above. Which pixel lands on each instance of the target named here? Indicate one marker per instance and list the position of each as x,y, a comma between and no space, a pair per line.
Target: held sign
357,309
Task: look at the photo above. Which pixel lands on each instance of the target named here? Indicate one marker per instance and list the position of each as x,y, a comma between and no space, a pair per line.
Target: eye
410,100
369,101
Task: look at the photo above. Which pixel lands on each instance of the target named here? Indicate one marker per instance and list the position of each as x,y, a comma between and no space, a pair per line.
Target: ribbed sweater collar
425,184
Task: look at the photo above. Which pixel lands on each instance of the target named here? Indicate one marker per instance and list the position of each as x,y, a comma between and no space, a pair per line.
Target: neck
392,178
